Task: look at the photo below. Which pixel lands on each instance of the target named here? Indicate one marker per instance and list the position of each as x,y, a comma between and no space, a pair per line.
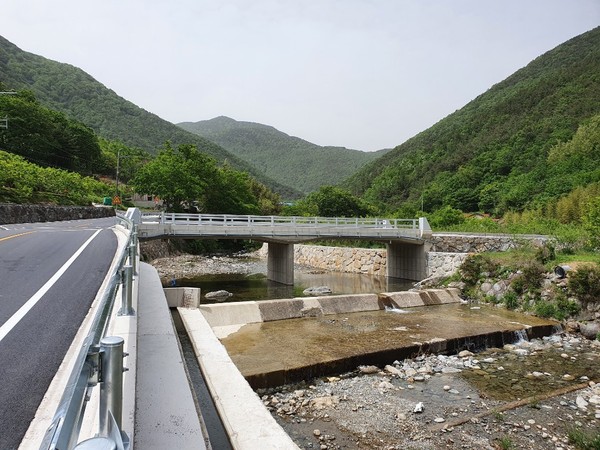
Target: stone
590,330
419,407
218,296
368,369
451,370
317,290
581,402
594,400
392,370
465,354
439,420
385,385
324,402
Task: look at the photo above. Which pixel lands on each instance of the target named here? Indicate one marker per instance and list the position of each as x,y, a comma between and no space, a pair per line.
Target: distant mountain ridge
501,151
74,92
286,159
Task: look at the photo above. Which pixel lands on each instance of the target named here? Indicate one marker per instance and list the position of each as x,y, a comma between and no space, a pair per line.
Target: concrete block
231,313
280,309
407,299
182,297
340,304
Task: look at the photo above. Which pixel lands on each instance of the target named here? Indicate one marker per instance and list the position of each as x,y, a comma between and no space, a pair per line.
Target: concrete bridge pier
280,263
408,261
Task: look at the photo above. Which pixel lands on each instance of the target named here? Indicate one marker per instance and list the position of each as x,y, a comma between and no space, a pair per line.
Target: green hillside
286,159
502,151
70,90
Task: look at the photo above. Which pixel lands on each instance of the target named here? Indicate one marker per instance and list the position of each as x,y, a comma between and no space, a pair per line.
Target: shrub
533,276
566,308
472,269
545,253
584,283
545,309
511,300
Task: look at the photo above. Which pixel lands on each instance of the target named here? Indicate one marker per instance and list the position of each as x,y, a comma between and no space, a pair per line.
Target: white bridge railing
274,221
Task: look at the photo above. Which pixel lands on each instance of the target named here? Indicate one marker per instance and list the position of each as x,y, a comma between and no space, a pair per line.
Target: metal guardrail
100,360
274,221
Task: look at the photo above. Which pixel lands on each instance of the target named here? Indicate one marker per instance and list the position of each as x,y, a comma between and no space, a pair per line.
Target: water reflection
255,286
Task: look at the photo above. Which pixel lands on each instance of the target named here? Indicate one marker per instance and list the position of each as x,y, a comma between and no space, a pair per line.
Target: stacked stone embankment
13,213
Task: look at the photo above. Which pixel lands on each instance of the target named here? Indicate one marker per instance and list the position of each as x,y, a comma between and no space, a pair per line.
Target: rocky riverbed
531,395
190,266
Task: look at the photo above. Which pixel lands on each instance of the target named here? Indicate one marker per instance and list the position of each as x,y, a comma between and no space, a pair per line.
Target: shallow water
255,286
270,352
511,376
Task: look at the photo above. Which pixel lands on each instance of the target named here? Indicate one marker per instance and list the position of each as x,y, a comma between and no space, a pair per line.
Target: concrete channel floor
166,414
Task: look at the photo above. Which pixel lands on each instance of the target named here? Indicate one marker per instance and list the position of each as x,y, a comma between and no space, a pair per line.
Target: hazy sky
364,74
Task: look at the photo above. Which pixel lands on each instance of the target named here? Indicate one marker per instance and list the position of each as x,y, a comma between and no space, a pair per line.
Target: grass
506,443
584,441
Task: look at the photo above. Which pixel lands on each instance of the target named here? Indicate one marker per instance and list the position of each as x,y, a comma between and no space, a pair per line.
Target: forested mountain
70,90
286,159
508,149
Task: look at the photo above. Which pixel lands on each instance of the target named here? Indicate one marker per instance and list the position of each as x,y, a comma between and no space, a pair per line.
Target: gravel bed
427,403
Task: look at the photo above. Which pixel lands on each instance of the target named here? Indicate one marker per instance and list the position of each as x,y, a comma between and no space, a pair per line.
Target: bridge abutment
408,261
280,263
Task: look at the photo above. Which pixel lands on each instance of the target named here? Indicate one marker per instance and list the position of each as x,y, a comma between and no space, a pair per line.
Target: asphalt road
32,348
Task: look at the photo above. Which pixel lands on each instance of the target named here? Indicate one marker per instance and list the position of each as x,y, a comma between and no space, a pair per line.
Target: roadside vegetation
524,278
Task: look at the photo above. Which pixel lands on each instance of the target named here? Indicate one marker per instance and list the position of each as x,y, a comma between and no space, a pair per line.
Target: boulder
590,330
317,290
218,296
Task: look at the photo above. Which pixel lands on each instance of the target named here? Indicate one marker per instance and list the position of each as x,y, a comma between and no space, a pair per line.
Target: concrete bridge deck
404,238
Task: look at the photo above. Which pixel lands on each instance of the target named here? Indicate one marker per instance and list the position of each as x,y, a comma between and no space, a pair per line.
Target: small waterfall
521,335
396,310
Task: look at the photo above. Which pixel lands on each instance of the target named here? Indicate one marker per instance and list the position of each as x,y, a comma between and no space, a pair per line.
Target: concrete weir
246,345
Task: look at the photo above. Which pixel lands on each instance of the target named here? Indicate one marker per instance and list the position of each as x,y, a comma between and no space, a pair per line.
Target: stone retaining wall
471,243
13,213
369,261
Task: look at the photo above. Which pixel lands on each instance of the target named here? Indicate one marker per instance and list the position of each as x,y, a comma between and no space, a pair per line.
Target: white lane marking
4,228
23,310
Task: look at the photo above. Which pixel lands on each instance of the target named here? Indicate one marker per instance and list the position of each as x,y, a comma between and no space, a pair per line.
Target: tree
332,201
591,221
172,177
189,180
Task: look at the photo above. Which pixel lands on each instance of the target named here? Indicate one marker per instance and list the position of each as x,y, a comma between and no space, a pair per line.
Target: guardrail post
111,386
133,257
126,292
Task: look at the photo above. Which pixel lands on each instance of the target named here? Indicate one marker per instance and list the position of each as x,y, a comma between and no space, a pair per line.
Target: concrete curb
166,415
247,422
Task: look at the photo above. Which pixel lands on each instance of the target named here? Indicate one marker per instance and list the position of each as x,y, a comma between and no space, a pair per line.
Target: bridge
404,238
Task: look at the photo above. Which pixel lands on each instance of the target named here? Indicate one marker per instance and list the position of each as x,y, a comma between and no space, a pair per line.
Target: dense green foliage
75,93
25,182
329,201
513,147
46,137
286,159
189,180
